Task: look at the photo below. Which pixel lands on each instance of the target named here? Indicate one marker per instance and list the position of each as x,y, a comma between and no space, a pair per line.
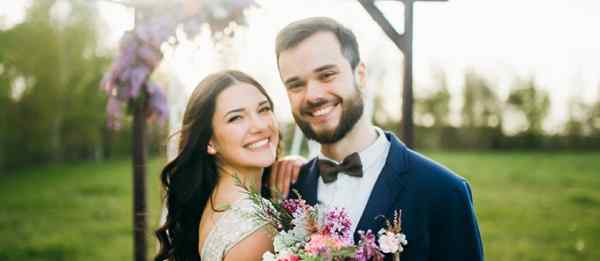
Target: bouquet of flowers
319,233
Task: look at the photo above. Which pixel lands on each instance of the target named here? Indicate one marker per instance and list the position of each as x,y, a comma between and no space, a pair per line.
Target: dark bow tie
351,166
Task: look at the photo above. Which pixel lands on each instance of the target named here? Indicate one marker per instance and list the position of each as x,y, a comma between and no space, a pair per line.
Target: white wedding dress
236,223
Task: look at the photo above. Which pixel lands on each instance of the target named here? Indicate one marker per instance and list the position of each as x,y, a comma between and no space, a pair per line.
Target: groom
361,167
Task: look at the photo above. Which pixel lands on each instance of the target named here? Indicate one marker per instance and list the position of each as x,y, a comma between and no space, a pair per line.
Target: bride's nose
259,124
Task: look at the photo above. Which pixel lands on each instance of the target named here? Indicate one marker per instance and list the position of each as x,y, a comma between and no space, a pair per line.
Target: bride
228,132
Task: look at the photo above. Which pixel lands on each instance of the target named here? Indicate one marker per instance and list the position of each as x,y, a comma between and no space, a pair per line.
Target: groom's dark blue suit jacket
437,207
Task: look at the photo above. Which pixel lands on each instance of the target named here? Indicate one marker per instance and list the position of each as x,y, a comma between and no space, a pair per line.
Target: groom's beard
352,110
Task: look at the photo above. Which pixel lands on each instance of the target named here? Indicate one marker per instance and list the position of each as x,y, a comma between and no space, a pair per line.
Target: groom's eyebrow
320,69
325,67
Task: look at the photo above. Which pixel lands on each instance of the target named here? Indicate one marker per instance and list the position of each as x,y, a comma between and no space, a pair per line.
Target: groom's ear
360,75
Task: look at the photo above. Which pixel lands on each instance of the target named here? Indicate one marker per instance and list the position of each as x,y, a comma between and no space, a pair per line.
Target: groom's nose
314,91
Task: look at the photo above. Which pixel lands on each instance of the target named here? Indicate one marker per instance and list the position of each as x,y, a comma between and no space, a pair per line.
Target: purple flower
158,102
139,54
149,56
367,247
137,77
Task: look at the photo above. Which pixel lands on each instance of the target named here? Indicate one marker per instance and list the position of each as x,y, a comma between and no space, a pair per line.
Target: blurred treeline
51,108
484,116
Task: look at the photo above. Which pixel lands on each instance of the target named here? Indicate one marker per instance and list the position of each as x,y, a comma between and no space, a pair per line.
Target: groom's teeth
258,144
323,111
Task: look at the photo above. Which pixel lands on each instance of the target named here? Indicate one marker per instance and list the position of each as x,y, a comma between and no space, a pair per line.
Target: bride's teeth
323,111
258,144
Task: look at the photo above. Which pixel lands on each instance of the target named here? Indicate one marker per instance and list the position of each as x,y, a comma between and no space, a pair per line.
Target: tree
481,107
49,74
577,112
593,117
437,104
533,103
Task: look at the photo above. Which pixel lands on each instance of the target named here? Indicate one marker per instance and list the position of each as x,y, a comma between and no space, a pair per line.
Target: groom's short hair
296,32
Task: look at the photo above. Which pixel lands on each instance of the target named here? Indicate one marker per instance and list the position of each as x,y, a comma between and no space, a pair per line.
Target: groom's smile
322,111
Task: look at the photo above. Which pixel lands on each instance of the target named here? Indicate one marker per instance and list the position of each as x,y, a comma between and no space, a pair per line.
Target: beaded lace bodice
232,227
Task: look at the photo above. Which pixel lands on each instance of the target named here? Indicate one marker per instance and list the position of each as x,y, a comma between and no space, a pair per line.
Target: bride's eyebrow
262,103
242,109
233,111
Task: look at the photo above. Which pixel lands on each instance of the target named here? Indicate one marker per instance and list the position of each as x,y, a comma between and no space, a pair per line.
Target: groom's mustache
310,106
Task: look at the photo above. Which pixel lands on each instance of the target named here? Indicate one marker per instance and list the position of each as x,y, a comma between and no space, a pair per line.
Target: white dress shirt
352,193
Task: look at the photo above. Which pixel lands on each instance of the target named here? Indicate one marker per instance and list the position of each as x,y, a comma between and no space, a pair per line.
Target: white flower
402,239
282,241
293,239
390,242
268,256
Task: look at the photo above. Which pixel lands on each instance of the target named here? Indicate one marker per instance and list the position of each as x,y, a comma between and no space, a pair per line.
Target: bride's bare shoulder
252,247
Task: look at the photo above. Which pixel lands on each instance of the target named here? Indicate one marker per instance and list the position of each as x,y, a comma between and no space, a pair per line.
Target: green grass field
531,206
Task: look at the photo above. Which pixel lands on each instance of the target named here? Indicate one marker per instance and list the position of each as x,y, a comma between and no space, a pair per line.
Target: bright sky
554,41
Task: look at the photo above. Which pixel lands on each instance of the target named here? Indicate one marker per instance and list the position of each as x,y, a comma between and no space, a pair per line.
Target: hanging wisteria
139,51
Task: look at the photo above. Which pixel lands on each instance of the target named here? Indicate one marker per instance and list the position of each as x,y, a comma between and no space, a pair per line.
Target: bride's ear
210,148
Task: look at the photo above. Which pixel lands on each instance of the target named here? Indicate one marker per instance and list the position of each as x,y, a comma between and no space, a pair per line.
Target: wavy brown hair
190,178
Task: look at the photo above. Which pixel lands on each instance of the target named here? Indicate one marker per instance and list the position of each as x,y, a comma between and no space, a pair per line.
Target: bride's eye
234,118
265,109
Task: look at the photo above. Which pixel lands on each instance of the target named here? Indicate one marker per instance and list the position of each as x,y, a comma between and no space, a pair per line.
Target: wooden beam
404,44
384,23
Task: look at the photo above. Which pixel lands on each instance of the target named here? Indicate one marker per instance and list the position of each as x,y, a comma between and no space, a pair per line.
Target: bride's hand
284,173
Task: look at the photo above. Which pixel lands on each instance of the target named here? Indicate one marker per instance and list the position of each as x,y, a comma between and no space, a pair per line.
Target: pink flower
320,243
289,258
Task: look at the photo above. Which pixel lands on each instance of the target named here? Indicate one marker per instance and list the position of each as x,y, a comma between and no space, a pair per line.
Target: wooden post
139,172
407,92
404,42
139,178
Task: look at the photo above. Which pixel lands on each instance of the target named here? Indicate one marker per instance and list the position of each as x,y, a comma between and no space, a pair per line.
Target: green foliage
483,115
49,96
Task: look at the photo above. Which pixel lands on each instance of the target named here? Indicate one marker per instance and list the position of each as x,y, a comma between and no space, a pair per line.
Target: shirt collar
370,154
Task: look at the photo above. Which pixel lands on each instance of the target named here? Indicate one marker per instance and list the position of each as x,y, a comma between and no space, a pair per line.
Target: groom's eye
294,86
326,76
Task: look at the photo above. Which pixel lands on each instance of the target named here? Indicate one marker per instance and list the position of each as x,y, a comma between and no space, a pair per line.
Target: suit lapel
307,185
387,188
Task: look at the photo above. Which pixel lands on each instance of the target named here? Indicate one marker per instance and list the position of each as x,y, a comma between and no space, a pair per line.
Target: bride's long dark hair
189,179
